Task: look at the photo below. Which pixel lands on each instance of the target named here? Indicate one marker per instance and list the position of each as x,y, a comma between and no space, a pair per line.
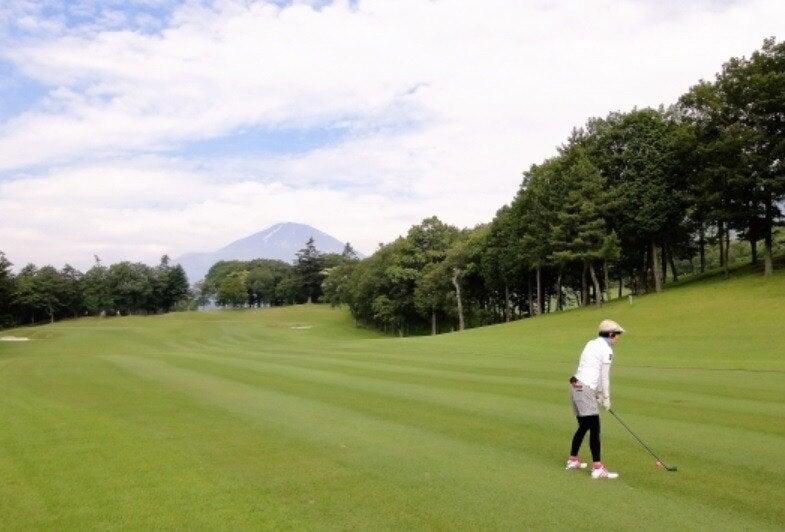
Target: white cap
610,326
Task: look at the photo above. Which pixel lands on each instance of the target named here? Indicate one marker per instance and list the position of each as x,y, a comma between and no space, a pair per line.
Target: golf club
659,462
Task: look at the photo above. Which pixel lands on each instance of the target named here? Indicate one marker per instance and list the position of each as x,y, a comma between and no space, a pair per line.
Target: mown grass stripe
383,448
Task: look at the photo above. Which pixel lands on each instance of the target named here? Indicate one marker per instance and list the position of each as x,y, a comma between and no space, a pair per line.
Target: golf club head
671,469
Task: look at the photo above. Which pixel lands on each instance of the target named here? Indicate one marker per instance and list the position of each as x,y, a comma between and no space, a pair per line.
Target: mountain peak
279,241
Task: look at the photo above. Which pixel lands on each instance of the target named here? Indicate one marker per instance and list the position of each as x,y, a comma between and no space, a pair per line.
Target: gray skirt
584,401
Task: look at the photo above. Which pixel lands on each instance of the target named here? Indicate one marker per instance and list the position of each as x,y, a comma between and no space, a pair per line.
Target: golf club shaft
636,437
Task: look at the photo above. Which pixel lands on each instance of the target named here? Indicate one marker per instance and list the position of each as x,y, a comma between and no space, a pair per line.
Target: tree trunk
702,245
754,249
433,322
558,291
596,283
455,274
584,287
673,267
506,303
727,249
664,263
621,284
539,291
529,293
644,272
768,266
655,265
607,280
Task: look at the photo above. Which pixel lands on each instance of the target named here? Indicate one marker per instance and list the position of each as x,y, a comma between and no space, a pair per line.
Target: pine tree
349,252
176,288
580,233
309,271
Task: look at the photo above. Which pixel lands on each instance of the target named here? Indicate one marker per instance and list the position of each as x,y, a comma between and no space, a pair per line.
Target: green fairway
294,418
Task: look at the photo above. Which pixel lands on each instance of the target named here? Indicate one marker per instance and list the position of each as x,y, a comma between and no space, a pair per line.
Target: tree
309,270
51,290
6,292
72,298
331,260
463,261
641,154
580,233
96,293
131,286
27,298
232,290
536,217
261,286
752,91
170,285
289,290
201,298
262,281
349,252
722,189
394,272
430,294
500,265
336,287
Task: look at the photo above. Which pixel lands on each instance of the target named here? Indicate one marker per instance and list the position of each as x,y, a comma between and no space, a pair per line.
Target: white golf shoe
602,472
575,464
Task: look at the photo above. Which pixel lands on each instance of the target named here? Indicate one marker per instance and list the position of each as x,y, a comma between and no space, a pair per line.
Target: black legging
591,424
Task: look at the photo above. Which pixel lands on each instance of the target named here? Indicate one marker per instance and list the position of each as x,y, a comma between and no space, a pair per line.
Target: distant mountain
280,241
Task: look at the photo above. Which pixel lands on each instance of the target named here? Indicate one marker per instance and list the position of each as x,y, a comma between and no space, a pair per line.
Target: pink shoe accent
602,472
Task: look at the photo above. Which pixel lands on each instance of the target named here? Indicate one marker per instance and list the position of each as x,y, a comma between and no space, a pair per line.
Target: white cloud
448,102
155,207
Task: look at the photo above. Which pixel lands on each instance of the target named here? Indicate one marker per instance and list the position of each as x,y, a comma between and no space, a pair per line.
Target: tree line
625,199
47,294
266,282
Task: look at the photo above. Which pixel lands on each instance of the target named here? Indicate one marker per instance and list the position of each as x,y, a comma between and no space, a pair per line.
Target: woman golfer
589,388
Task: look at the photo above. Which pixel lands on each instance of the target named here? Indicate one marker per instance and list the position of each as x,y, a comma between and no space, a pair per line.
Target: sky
134,128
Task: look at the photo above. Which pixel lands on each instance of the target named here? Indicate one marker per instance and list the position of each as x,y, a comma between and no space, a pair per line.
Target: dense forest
627,200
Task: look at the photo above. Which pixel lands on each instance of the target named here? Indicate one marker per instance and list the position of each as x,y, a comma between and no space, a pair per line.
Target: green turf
236,419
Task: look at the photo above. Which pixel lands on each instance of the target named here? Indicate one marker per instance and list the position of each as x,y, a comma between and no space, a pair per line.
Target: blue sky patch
266,141
17,93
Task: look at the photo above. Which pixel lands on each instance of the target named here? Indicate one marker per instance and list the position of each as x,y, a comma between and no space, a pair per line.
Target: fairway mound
14,339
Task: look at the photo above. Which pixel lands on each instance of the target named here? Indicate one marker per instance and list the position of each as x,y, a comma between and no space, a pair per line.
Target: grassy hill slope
294,418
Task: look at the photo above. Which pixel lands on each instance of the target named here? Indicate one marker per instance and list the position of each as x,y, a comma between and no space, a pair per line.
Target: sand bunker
14,339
